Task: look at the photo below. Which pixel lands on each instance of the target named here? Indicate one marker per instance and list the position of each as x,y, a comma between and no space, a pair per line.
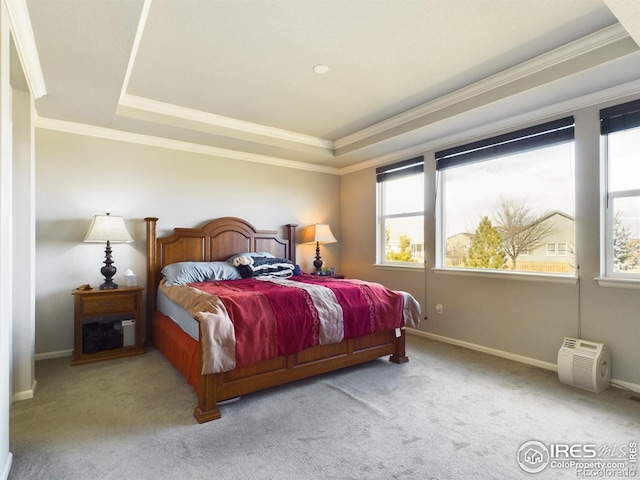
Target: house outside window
401,213
506,203
620,129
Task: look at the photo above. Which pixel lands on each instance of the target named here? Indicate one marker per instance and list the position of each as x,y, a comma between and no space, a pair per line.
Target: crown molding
153,141
212,122
628,14
600,97
565,53
514,122
20,24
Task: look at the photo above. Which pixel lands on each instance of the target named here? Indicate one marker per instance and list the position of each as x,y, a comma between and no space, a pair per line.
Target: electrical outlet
439,308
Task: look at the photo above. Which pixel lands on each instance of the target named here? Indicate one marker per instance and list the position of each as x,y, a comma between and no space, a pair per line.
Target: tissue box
130,279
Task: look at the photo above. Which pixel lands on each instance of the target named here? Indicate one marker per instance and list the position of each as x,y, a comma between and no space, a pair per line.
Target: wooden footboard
307,363
185,355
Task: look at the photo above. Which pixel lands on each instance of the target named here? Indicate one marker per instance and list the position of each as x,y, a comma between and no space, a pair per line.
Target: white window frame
414,166
620,117
455,156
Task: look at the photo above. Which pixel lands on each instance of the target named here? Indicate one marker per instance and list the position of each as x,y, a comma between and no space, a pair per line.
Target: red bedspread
277,317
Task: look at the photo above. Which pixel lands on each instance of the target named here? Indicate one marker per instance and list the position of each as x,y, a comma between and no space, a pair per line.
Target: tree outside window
503,200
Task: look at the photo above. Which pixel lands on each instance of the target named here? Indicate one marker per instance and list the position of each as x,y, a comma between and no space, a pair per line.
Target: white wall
23,342
80,176
5,243
515,318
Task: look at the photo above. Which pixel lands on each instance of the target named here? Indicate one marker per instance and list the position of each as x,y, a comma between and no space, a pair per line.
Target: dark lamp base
108,271
108,286
318,261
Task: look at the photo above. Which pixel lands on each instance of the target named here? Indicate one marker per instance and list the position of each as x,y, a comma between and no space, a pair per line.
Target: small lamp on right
318,233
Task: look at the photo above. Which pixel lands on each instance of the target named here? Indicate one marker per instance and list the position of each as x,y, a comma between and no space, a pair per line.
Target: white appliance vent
584,364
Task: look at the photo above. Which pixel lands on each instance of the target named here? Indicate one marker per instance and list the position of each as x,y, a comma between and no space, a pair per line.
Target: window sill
618,282
418,267
509,275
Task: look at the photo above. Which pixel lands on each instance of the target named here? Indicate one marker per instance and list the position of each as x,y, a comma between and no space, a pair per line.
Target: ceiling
235,78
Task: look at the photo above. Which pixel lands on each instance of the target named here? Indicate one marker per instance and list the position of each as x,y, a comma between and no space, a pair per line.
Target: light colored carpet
449,413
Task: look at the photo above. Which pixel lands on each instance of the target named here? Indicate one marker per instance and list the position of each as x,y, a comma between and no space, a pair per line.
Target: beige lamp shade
318,233
108,228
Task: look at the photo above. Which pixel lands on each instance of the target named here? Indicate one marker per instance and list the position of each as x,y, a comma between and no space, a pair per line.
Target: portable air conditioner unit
584,364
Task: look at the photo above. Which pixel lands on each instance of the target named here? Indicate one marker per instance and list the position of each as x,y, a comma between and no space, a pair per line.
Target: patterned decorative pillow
250,254
263,267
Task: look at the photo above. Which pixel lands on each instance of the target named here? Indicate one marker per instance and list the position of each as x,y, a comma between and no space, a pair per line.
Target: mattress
178,314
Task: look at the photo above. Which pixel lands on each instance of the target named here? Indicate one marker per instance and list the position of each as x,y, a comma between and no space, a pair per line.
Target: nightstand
328,277
105,309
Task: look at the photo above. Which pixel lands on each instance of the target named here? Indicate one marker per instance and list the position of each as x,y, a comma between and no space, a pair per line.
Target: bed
189,353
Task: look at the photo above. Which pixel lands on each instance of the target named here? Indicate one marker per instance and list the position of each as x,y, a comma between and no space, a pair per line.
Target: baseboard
483,349
632,387
7,467
50,355
26,394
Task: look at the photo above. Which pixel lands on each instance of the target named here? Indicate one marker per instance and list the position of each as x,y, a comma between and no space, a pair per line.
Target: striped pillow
263,267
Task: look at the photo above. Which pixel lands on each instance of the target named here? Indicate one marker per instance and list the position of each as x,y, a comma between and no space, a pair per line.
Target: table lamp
108,228
318,233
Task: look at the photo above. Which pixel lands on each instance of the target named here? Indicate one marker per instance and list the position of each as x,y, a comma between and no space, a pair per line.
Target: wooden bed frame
216,241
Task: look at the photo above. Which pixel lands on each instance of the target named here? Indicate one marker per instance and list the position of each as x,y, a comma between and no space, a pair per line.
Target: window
507,202
620,129
557,249
562,249
401,212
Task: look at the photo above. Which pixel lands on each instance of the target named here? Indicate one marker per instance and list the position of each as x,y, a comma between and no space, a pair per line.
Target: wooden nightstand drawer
108,304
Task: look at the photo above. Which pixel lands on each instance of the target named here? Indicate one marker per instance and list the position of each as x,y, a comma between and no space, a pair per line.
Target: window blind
620,117
542,135
400,169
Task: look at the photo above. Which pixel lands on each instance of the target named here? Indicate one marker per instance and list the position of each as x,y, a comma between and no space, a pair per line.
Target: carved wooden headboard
216,241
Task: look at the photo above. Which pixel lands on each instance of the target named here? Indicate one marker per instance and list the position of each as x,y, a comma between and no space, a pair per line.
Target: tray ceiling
236,78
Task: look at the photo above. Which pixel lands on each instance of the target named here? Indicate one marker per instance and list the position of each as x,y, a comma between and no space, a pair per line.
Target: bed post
152,281
207,409
291,235
399,355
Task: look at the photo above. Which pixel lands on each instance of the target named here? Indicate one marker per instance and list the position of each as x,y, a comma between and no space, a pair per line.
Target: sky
543,179
624,168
